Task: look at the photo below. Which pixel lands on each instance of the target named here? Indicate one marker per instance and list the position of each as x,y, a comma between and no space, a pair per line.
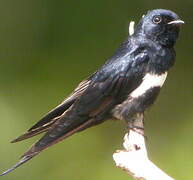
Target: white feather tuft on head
131,27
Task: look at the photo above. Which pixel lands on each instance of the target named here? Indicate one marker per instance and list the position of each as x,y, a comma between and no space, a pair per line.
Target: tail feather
22,161
47,141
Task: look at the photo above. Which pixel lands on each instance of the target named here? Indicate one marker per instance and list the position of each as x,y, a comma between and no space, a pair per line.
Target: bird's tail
22,161
53,136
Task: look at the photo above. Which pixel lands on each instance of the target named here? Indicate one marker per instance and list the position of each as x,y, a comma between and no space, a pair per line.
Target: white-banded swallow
125,86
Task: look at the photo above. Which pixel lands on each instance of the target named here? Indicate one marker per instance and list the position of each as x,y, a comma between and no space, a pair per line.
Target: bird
124,87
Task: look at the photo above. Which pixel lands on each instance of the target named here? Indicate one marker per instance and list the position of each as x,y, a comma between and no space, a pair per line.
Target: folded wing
49,119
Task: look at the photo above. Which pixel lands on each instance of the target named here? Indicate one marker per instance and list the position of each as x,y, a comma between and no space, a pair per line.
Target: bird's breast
140,98
149,81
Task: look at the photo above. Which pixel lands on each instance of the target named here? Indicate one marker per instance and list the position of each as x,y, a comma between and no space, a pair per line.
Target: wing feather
50,118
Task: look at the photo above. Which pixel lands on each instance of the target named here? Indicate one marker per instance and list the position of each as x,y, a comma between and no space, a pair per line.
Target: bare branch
134,159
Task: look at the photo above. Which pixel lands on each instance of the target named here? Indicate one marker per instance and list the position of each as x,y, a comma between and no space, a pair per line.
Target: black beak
177,22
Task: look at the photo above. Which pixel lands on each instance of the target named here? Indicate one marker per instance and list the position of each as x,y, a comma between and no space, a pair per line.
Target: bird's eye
157,19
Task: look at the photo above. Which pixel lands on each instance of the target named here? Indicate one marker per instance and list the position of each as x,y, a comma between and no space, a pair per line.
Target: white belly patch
149,81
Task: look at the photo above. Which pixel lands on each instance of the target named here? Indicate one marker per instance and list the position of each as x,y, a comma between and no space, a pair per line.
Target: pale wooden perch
133,159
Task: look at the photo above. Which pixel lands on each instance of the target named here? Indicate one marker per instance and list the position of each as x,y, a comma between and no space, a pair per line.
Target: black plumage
119,89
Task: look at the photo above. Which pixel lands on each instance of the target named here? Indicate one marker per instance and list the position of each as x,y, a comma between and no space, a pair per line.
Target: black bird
123,88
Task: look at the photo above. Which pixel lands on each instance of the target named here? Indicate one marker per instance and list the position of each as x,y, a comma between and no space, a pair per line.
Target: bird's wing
108,87
91,108
50,118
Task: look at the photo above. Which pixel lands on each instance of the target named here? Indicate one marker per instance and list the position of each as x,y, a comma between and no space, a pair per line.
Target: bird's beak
177,22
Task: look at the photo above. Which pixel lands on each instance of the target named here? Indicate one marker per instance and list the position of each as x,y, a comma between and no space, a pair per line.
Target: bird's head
160,25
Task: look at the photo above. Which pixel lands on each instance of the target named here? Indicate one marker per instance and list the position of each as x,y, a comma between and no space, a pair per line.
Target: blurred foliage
47,47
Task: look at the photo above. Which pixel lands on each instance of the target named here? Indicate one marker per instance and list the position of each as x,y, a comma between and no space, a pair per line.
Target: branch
134,159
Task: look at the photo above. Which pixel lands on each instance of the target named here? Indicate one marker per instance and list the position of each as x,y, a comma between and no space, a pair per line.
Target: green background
47,48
